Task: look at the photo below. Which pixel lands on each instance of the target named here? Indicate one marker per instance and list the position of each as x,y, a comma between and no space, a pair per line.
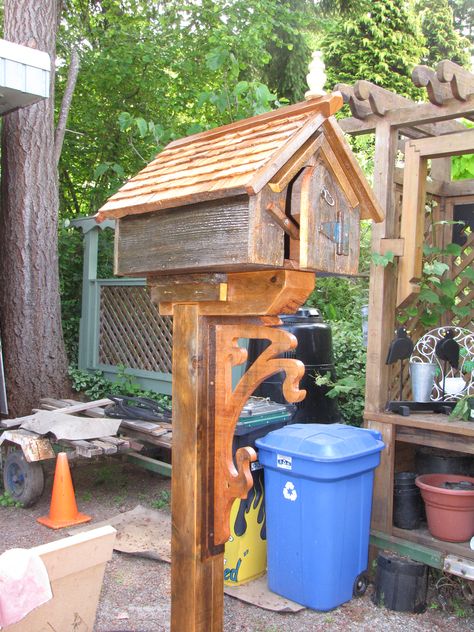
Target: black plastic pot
435,461
315,351
407,502
400,584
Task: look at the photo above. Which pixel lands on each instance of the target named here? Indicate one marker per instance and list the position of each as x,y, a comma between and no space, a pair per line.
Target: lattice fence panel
131,331
439,235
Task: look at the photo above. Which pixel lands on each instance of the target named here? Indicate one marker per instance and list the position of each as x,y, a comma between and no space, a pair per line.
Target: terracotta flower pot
449,501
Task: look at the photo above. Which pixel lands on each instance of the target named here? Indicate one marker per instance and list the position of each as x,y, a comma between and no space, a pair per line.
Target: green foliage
163,500
463,167
96,386
289,49
439,293
381,44
383,260
349,359
339,298
7,501
463,11
233,99
442,40
146,65
463,408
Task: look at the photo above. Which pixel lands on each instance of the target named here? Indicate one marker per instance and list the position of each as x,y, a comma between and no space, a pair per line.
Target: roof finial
316,78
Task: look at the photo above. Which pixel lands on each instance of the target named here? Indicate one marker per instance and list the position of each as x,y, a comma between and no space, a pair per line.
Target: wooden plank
412,225
369,205
423,537
81,407
397,246
404,547
269,292
83,448
122,444
448,145
75,567
281,179
428,421
443,440
325,247
438,93
152,465
279,158
148,427
382,288
180,239
197,587
283,221
107,447
419,114
161,441
334,165
266,238
461,80
382,503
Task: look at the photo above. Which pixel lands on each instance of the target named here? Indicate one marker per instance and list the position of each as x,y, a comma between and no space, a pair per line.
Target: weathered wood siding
206,236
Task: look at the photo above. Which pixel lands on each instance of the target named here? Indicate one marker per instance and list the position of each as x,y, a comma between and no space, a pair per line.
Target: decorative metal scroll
425,351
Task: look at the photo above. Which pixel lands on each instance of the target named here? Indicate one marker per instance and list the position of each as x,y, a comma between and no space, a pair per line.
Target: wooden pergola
427,134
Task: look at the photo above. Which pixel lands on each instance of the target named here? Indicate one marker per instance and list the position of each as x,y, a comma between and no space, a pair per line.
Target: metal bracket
459,566
338,233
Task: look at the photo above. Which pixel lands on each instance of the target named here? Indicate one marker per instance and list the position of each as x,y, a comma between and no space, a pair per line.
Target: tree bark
30,314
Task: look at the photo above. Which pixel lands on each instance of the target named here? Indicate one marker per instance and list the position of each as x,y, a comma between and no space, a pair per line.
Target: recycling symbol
289,491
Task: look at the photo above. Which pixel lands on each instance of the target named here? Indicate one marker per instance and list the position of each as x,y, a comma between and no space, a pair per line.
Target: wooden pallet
156,433
77,448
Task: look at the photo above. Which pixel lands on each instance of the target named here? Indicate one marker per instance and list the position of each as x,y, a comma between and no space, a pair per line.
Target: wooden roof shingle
234,159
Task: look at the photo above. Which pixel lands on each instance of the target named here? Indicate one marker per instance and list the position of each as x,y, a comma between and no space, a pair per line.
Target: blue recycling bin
318,498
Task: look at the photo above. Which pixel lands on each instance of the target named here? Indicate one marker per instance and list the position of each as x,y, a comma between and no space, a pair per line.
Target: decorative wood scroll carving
359,109
366,98
234,481
461,80
425,77
380,99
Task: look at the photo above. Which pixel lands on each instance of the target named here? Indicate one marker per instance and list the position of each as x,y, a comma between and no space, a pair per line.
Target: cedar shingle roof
235,159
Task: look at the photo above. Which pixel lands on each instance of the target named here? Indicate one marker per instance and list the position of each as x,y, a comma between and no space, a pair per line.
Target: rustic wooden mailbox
229,227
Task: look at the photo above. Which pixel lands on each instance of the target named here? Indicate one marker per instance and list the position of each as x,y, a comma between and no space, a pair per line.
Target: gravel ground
136,592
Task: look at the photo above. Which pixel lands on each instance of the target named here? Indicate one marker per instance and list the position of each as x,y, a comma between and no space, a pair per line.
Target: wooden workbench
401,435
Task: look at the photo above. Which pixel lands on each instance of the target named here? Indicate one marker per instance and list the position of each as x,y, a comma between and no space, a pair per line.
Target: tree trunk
30,314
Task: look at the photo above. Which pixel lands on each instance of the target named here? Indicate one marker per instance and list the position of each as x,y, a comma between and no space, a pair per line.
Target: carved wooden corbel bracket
231,480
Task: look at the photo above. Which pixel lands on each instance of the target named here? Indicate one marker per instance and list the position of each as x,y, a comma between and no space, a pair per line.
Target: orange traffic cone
63,510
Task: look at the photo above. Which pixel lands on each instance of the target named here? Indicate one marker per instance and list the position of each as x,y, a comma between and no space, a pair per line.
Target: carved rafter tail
443,84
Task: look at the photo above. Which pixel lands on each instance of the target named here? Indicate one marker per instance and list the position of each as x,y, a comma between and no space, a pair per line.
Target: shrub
97,386
349,359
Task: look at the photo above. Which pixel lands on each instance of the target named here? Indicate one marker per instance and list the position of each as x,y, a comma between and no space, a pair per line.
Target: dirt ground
136,592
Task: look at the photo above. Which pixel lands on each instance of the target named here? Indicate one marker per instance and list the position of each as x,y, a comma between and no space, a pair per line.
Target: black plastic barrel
315,351
401,584
407,502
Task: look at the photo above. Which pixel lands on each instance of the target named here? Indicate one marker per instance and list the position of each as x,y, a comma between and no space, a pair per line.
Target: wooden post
206,407
382,291
197,585
89,276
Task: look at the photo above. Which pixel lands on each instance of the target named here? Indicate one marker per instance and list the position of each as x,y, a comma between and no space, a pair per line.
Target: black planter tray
404,408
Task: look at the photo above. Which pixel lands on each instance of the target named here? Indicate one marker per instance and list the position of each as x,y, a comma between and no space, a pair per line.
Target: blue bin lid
322,442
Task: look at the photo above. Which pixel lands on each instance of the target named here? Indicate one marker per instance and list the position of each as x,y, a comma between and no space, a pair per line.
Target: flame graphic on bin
246,550
245,518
